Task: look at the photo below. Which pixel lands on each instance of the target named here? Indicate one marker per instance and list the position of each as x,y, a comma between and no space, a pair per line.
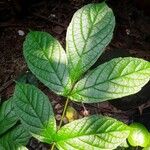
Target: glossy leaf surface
7,116
35,112
89,32
116,78
92,133
47,60
15,139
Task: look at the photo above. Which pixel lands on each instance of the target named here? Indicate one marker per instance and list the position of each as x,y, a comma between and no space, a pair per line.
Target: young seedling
67,74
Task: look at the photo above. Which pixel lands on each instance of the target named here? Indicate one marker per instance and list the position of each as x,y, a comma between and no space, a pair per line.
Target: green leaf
47,60
35,112
89,32
15,139
7,116
123,146
116,78
13,147
92,133
21,148
1,147
146,148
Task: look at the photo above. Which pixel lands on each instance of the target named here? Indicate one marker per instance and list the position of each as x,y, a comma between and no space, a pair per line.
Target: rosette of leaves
67,74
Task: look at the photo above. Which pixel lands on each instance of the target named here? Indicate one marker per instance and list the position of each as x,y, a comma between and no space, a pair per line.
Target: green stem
63,114
61,121
52,148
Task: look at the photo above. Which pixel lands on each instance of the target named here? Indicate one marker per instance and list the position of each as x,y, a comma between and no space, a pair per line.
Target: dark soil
131,38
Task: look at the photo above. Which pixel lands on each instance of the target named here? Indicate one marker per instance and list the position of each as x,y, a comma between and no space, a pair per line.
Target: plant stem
63,114
61,120
52,148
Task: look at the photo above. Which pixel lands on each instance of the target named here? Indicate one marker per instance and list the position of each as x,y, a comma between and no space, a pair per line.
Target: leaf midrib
93,134
107,80
31,106
40,46
85,40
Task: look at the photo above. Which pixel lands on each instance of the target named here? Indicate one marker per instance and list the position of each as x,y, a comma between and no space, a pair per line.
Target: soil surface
131,38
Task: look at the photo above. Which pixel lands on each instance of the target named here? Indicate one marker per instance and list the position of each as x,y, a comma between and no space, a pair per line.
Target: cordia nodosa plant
67,73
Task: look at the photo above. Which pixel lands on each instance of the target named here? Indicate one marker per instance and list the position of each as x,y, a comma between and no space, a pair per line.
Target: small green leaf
139,135
15,139
35,112
92,133
114,79
7,116
89,32
47,60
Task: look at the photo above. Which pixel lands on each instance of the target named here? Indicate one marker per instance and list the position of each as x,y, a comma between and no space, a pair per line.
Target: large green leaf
35,112
88,34
7,116
114,79
92,133
15,139
47,60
